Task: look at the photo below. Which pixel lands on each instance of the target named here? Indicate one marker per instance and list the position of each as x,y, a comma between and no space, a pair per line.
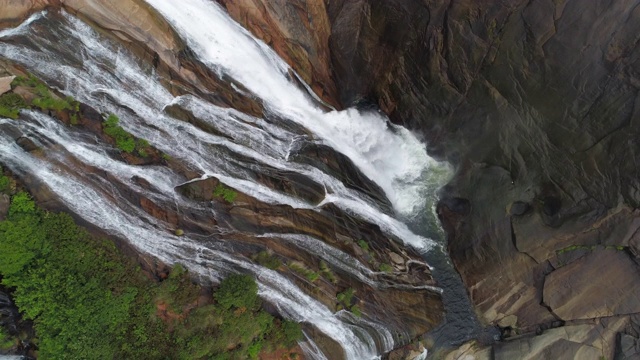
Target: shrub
11,104
87,301
6,341
327,273
226,193
267,260
291,333
22,203
237,291
5,183
363,245
124,140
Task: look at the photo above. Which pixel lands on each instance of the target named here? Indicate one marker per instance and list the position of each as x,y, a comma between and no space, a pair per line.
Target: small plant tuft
229,195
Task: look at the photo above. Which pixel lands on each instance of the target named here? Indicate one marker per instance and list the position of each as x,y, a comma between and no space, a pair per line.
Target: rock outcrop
16,11
537,104
298,31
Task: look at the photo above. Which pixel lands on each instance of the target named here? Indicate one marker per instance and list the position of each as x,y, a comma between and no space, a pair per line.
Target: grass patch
327,273
363,245
124,141
267,260
300,269
228,194
346,299
45,100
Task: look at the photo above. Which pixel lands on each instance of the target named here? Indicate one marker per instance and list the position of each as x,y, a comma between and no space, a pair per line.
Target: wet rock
299,31
135,18
27,144
413,309
341,167
5,84
604,283
456,205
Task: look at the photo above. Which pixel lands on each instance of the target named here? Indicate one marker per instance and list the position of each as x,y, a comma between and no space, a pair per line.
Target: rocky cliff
537,104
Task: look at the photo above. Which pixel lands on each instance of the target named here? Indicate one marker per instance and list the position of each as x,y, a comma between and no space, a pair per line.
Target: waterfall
108,78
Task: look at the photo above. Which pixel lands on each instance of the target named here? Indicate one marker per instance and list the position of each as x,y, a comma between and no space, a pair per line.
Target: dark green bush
88,301
11,104
237,291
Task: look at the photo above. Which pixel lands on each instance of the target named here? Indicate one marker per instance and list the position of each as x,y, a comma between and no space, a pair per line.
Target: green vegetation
302,270
355,309
6,341
5,182
45,100
346,299
229,195
88,301
327,273
10,105
267,260
363,245
385,268
124,141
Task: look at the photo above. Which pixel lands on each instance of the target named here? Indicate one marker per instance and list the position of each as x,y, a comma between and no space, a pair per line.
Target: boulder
603,283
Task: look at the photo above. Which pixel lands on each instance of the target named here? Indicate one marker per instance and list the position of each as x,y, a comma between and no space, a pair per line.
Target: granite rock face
537,104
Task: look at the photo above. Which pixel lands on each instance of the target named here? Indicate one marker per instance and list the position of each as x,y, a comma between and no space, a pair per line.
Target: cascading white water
393,159
396,160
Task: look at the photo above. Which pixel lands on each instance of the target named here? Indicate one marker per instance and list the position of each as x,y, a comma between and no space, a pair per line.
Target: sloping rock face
298,31
15,11
537,104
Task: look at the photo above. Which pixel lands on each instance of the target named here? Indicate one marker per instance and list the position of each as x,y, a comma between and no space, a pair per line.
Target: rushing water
106,77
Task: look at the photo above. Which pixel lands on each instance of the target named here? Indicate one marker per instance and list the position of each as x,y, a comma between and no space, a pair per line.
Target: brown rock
299,31
578,342
396,259
604,283
5,84
508,321
132,17
15,11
